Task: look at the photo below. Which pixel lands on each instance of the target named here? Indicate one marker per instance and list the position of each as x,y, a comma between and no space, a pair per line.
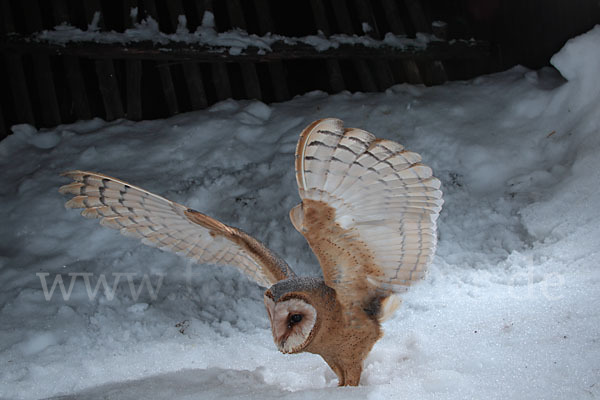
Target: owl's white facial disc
292,322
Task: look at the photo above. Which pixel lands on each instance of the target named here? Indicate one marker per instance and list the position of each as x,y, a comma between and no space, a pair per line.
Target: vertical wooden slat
61,12
251,82
417,16
14,67
221,80
76,84
276,70
79,99
163,69
133,71
195,85
436,72
168,89
383,73
220,76
410,67
105,70
20,91
392,14
336,79
191,72
320,16
342,16
134,89
345,24
6,18
42,69
109,89
249,74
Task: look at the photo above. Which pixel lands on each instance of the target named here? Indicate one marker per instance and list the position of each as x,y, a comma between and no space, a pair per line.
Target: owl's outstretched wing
368,211
170,226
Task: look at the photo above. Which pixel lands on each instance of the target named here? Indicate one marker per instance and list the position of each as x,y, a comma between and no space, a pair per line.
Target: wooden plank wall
48,90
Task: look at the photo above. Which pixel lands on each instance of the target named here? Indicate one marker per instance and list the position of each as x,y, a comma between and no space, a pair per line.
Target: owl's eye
294,319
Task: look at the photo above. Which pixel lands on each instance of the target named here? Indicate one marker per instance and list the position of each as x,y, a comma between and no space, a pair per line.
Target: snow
509,308
236,41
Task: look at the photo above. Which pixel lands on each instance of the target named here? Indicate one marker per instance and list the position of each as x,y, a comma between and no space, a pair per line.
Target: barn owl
368,211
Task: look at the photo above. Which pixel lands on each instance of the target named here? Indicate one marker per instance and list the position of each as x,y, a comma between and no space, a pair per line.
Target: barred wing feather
369,210
170,226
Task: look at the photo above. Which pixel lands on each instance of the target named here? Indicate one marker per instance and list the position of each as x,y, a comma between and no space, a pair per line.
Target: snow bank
508,310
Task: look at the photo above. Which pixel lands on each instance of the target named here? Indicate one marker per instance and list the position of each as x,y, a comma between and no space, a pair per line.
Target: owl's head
292,307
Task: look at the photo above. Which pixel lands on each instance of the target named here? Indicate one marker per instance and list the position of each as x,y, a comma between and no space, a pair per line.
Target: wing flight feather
368,211
172,227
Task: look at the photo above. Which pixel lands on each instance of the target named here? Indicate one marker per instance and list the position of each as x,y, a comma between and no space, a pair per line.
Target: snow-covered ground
509,309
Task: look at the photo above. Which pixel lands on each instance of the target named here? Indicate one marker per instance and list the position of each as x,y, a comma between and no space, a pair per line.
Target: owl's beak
281,346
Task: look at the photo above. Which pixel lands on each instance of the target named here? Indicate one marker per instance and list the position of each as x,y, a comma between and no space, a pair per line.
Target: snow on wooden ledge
145,41
278,50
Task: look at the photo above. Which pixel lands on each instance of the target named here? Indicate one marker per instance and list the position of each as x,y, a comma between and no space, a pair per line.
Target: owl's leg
347,375
338,371
352,375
